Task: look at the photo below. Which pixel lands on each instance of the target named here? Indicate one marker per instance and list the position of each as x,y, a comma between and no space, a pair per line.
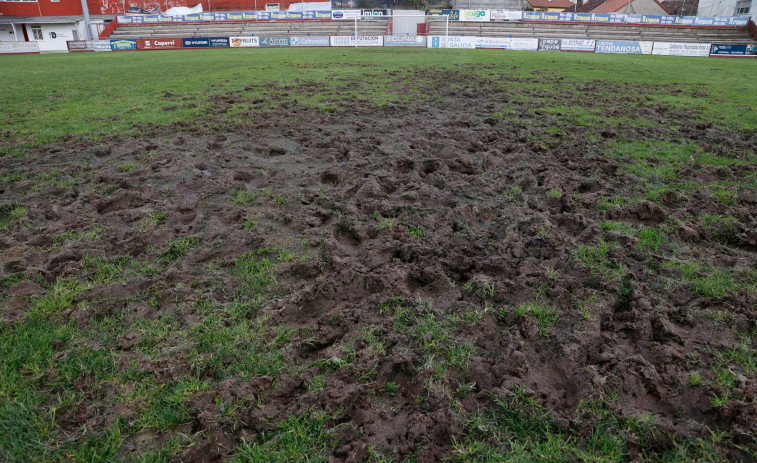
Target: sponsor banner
507,43
346,14
326,14
80,45
615,18
274,41
475,15
244,42
123,44
219,42
681,49
733,50
455,15
549,44
198,42
376,14
359,41
584,45
158,44
623,46
404,41
8,48
506,15
543,16
101,45
309,41
451,42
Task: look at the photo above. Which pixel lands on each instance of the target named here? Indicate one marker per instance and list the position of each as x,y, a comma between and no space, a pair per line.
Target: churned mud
413,262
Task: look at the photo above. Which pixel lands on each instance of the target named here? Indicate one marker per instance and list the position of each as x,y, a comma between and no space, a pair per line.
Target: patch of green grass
416,232
307,437
618,226
545,315
11,212
58,297
127,166
102,270
598,260
725,196
705,280
662,160
244,198
719,227
152,219
250,223
76,235
177,248
650,239
279,201
253,271
608,203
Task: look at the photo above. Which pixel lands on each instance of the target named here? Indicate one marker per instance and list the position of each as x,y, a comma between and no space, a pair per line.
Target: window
742,8
37,32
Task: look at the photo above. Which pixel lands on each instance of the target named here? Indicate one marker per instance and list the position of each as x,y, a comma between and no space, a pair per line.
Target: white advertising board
577,45
359,41
451,42
7,48
681,49
475,15
507,43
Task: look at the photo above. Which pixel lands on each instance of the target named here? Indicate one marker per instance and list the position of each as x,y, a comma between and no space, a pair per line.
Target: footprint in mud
122,200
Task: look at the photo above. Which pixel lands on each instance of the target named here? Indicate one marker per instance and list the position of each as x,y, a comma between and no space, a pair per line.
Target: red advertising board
158,44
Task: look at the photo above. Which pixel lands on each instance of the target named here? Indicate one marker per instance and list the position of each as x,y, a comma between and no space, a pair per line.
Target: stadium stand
592,31
248,28
454,28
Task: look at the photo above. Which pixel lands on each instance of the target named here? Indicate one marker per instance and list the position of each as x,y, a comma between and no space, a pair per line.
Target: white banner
346,14
244,42
360,41
681,49
309,41
7,48
507,43
451,42
506,15
475,15
102,45
577,45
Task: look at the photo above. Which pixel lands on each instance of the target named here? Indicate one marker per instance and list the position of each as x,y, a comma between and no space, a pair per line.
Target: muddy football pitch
376,255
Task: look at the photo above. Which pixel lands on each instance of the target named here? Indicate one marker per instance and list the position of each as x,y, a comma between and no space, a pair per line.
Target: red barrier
159,44
108,29
752,28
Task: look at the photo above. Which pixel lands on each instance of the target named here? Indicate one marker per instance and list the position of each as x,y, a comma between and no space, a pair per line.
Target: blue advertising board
616,18
454,15
720,49
218,42
200,42
123,44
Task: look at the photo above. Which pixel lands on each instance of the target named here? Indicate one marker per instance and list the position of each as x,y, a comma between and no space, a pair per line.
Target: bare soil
432,206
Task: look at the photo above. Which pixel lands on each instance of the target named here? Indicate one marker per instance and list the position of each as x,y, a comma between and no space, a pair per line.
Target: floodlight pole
85,11
356,32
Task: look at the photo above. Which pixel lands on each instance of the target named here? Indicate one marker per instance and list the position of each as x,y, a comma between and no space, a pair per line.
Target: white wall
6,33
723,8
54,36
